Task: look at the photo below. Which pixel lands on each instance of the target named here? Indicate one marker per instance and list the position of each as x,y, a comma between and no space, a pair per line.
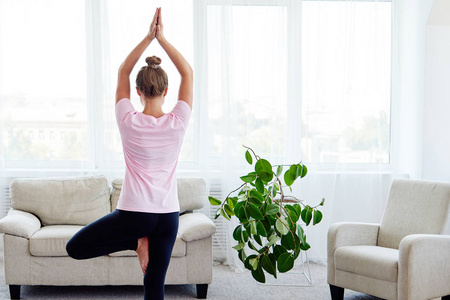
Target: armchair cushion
19,223
371,261
195,226
71,201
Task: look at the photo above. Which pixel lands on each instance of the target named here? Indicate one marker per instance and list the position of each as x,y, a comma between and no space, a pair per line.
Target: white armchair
406,257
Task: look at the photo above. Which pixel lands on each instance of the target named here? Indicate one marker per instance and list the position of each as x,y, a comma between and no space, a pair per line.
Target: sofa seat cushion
371,261
179,250
52,240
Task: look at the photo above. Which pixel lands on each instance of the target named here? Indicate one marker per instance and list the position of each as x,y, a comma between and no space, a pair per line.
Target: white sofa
46,213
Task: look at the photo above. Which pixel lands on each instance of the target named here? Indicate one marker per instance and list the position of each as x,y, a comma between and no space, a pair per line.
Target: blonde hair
152,79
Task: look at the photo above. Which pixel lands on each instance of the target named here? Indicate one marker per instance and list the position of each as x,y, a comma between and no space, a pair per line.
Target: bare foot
142,252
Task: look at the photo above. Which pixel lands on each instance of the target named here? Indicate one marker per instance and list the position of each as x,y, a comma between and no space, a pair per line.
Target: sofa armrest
348,234
195,226
424,266
19,223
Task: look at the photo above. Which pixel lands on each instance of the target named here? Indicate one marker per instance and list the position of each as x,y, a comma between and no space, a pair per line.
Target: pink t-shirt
151,147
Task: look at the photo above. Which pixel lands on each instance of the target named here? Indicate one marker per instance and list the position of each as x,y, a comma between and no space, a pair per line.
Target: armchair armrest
424,266
20,223
195,226
348,234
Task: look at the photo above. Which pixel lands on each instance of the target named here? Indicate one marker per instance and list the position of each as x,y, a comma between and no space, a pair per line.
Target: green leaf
285,262
304,171
248,157
217,214
257,195
260,229
254,212
239,246
298,208
214,201
242,255
258,275
300,233
272,240
294,216
253,227
237,233
254,263
281,227
290,241
248,178
231,202
257,238
317,217
264,170
306,215
323,202
268,263
251,246
224,214
288,178
247,264
228,210
304,246
259,185
272,209
278,250
279,171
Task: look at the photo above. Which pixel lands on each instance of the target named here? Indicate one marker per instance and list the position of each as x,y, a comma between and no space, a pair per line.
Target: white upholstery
46,213
52,240
389,260
413,208
58,201
20,223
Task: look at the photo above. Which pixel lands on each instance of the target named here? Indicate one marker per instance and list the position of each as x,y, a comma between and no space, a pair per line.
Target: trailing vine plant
269,224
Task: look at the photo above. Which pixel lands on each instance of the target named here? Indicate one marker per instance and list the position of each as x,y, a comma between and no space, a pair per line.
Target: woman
148,209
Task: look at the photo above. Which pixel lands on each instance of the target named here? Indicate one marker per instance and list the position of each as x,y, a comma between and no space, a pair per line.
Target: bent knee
73,250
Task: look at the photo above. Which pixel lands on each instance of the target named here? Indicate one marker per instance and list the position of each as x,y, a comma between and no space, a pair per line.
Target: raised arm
185,92
123,81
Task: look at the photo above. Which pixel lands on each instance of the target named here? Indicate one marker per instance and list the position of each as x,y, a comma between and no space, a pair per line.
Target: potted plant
268,217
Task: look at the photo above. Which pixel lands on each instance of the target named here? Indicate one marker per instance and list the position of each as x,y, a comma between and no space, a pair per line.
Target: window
43,79
346,67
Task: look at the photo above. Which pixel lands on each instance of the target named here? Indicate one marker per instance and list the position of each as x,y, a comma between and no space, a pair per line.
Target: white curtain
295,80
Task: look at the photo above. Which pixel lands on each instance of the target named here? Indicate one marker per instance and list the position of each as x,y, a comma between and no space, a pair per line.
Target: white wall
436,121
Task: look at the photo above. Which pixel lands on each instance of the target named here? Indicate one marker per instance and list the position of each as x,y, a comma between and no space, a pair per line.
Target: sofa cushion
52,240
191,193
371,261
179,250
71,201
195,226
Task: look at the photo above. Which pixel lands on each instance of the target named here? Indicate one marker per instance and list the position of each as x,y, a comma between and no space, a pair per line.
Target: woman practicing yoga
146,218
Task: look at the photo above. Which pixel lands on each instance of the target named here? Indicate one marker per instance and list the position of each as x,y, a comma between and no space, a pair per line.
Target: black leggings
119,231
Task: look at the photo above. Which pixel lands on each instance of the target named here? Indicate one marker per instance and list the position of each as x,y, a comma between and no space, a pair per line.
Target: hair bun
153,61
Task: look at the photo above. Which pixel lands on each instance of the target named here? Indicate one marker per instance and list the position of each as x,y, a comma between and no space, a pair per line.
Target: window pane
346,57
247,50
43,80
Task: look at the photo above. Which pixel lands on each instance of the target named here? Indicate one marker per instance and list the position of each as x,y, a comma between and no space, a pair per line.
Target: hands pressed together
156,27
